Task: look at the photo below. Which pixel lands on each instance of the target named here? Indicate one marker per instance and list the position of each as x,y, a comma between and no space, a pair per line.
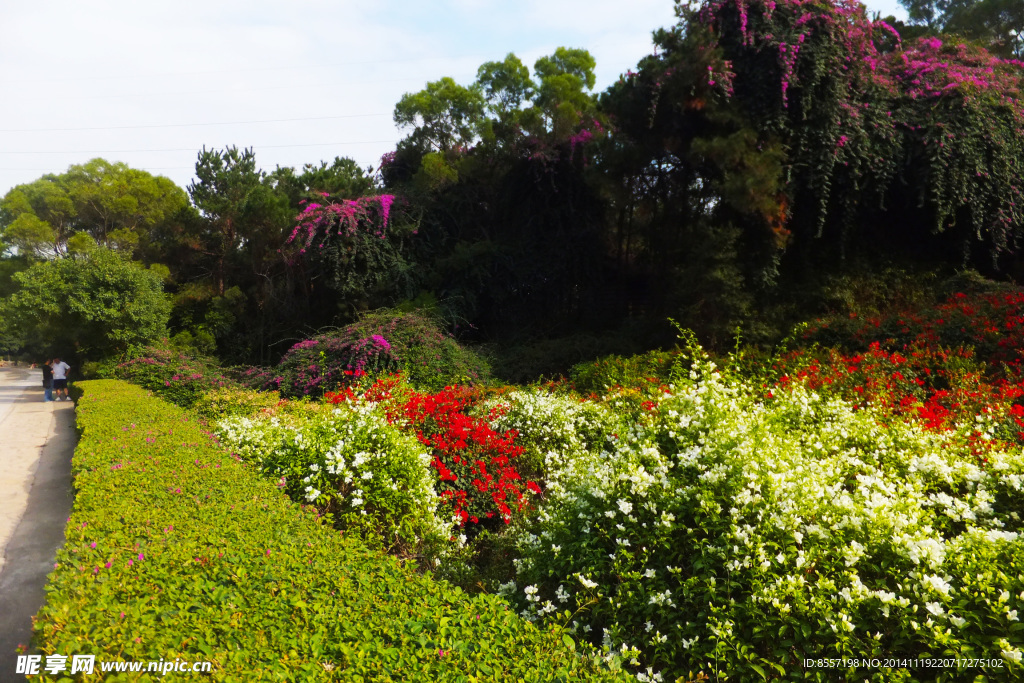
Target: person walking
60,378
47,367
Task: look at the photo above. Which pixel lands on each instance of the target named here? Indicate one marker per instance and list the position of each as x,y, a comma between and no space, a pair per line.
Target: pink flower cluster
343,217
931,69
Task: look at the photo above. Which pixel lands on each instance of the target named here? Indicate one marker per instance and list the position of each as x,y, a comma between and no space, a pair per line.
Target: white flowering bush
348,461
737,535
550,428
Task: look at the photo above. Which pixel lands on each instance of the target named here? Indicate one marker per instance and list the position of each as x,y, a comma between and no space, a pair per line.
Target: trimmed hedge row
176,549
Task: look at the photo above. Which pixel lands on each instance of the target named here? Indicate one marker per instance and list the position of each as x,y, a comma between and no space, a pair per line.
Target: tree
505,109
343,177
507,86
117,206
997,23
90,306
37,218
443,116
562,99
239,208
818,145
510,231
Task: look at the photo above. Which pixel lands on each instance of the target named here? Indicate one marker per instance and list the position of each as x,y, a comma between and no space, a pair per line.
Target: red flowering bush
475,464
956,365
990,322
886,380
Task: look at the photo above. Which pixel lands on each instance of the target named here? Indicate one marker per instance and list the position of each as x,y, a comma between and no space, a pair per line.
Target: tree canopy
998,24
95,304
111,203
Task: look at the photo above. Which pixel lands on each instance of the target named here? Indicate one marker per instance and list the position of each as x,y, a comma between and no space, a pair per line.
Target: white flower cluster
550,426
352,457
797,507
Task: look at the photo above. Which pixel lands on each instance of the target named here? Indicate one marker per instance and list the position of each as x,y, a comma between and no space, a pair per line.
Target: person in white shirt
60,378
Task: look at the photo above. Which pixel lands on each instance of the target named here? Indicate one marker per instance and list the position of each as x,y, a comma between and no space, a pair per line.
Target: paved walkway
36,443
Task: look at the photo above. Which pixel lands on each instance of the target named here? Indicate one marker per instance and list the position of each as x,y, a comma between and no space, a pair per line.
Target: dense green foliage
763,150
175,549
97,202
799,127
90,305
762,147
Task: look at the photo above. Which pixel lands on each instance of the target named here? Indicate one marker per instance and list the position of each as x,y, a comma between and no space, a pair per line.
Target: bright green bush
235,402
735,534
176,549
98,304
350,462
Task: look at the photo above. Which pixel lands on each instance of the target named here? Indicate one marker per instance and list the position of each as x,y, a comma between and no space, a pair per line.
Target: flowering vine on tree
870,123
342,217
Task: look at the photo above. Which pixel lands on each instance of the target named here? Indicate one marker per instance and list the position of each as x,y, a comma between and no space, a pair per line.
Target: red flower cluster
957,360
474,463
993,324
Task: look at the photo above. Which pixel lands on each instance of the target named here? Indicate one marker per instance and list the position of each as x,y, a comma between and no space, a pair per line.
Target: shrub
549,427
350,463
430,358
943,364
175,549
644,371
177,377
235,402
100,369
475,464
732,533
990,322
315,366
379,344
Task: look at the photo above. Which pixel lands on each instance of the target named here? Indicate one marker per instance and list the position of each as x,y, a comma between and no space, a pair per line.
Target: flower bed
855,501
175,549
735,533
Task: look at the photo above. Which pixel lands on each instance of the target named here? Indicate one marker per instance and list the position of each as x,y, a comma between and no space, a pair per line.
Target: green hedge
197,557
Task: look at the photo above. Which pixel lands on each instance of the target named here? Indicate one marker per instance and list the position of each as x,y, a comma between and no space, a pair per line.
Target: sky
150,83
